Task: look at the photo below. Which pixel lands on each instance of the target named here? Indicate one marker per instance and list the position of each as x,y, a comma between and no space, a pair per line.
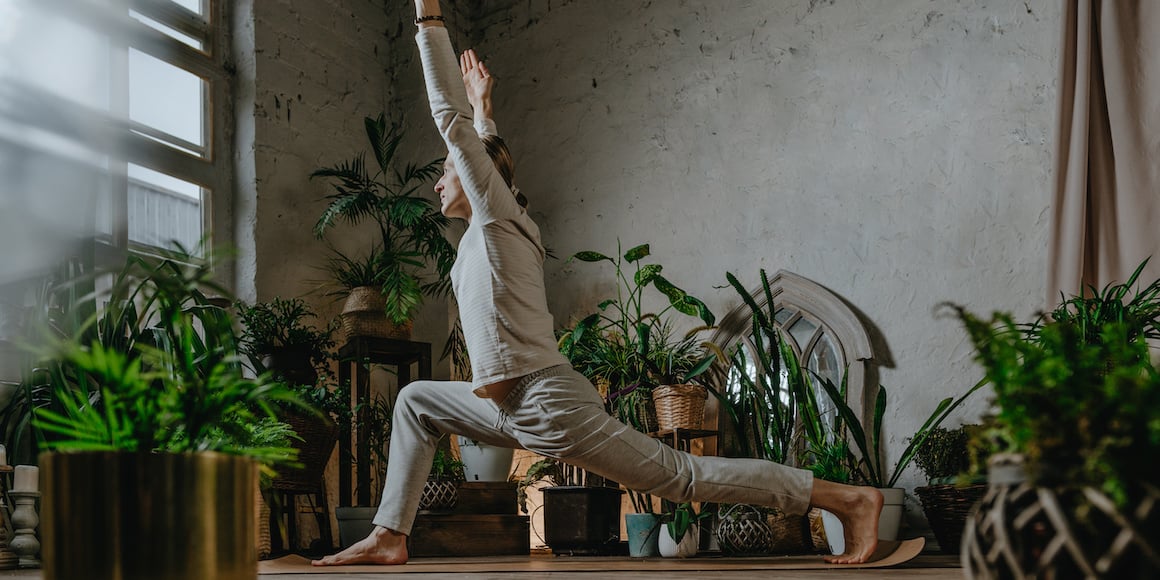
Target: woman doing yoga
524,393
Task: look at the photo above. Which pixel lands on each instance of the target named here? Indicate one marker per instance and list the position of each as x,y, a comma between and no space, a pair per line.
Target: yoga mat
888,554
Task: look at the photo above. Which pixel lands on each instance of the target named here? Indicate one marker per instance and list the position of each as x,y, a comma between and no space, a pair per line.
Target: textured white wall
896,151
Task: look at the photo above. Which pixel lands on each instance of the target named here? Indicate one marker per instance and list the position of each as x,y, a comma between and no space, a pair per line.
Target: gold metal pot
129,516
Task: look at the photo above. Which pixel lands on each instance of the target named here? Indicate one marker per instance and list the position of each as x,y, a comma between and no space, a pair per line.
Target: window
156,69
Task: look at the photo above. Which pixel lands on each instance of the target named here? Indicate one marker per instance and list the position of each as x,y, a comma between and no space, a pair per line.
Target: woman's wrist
428,13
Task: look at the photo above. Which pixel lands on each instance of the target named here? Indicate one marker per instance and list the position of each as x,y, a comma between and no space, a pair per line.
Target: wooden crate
469,535
487,497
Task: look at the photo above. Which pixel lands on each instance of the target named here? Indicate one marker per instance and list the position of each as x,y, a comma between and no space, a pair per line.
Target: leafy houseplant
150,405
410,227
680,537
633,351
440,492
276,338
1079,398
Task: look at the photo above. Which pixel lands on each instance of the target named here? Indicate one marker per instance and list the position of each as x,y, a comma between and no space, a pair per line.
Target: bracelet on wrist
430,18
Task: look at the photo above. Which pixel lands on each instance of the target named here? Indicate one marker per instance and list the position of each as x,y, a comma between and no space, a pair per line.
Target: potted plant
950,493
410,234
440,492
581,509
1077,398
681,535
150,407
630,349
277,338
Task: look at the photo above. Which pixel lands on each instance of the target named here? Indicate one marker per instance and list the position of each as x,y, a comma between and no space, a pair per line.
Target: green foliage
629,348
373,421
444,467
868,468
944,455
679,518
410,226
1137,312
157,369
547,469
1082,403
281,324
764,413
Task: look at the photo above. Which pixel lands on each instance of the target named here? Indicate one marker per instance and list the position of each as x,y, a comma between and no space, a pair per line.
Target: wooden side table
355,359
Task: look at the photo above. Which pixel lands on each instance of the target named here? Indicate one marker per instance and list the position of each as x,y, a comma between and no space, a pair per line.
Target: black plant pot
292,364
583,521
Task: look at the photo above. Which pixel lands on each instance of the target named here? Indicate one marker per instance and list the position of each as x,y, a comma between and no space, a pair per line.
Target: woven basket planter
364,314
1020,531
680,406
744,531
319,436
947,508
439,496
795,534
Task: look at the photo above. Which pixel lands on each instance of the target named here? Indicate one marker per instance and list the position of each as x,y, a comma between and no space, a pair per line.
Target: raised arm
478,82
489,196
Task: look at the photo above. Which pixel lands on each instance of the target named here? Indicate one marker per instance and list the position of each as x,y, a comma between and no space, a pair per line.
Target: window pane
155,25
54,54
166,97
163,209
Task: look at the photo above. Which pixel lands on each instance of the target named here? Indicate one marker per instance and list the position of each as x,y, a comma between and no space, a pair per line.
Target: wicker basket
947,508
439,496
318,440
364,314
789,534
680,406
744,531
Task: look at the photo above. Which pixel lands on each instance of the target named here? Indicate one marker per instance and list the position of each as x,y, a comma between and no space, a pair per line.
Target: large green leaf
636,253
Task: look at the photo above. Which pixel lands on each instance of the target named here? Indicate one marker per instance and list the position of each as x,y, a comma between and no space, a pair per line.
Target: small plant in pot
151,407
409,231
581,509
1077,399
440,493
680,535
950,494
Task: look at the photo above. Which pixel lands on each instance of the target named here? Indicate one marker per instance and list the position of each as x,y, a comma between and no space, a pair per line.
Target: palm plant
410,227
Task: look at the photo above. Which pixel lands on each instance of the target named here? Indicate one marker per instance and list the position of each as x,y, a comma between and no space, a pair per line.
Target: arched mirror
822,330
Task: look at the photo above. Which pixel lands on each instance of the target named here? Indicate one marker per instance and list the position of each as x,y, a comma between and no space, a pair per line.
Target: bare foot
383,546
859,509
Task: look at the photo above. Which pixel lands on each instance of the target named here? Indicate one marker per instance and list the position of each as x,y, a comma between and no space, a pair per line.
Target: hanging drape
1106,207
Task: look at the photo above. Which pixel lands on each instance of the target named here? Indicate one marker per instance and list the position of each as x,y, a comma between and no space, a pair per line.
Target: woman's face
453,202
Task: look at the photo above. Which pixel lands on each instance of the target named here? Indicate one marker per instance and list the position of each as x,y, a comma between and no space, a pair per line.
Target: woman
524,393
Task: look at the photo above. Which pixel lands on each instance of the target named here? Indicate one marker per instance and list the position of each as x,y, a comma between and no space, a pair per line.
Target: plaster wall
897,152
319,67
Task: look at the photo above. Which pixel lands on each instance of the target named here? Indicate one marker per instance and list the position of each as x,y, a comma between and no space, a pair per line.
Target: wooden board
469,535
487,497
888,554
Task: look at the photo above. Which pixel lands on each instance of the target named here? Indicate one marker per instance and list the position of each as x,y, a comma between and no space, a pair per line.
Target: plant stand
355,359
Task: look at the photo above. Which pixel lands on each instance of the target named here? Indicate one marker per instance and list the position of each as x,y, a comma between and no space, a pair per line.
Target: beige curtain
1106,211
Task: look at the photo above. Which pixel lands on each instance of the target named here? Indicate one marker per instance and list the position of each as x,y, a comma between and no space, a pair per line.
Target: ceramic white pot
483,462
687,548
834,532
891,519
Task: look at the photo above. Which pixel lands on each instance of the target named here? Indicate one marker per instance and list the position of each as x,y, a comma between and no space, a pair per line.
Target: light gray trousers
557,413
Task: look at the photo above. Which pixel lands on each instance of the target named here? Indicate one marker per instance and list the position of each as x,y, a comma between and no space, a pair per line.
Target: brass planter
129,516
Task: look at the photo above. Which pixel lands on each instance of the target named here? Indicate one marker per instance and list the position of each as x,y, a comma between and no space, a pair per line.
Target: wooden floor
925,567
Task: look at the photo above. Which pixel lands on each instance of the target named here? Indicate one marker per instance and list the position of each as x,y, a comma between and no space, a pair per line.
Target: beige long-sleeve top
498,275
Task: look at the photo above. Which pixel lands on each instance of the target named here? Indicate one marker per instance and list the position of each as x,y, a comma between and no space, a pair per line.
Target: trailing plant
409,225
1082,404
